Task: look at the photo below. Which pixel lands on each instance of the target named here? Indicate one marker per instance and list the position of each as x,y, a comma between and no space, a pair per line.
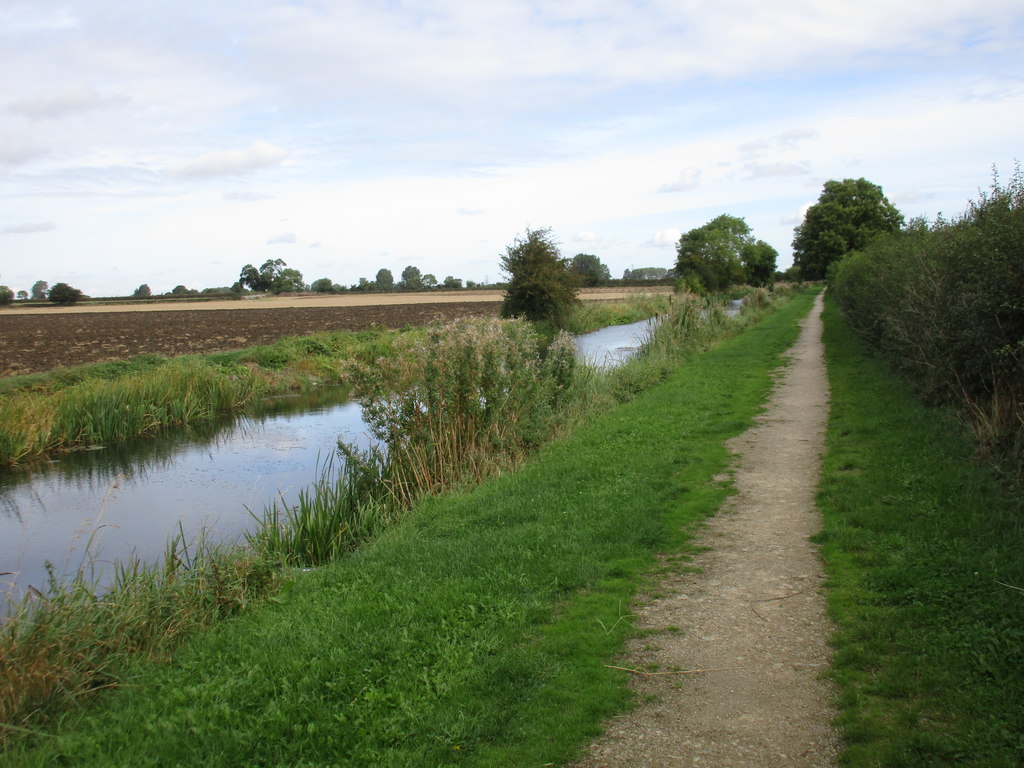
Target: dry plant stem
766,705
674,672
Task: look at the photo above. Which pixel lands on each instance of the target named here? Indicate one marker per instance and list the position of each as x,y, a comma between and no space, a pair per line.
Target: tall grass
592,315
62,644
347,505
465,400
113,402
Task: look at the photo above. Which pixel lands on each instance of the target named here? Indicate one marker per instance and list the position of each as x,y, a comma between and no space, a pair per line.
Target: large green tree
62,293
710,257
288,281
848,215
759,260
261,279
412,279
385,280
541,284
590,269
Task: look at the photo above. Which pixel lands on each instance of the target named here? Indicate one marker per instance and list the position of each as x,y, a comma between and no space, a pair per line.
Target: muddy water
91,507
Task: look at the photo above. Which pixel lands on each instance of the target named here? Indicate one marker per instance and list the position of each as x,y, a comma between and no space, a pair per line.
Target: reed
463,401
347,505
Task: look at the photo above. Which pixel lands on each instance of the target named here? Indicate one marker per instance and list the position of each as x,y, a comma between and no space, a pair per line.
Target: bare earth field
34,339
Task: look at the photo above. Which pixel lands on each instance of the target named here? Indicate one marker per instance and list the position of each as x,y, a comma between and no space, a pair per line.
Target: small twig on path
772,600
677,672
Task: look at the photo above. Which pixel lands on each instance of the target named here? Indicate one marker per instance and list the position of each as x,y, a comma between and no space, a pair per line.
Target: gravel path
752,619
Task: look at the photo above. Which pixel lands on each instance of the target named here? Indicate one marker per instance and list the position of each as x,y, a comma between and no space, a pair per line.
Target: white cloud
28,228
688,179
767,170
284,237
586,236
664,238
248,197
232,162
64,102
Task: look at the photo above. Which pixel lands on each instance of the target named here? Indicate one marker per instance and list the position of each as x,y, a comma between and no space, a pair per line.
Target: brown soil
42,340
37,338
741,644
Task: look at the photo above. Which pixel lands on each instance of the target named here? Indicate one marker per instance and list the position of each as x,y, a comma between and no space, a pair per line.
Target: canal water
89,507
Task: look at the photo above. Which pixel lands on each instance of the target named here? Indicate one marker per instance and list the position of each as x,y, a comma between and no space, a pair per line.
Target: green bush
946,303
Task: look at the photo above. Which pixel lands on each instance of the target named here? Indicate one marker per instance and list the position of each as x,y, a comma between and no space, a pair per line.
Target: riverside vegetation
447,637
63,644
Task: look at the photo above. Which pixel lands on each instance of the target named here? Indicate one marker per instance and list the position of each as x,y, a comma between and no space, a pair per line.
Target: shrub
946,303
541,284
64,294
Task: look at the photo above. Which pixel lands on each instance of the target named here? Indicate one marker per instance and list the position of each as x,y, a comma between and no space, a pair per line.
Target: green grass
925,557
475,632
105,403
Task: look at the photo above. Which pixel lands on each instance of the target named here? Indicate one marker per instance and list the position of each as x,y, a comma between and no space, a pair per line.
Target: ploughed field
45,339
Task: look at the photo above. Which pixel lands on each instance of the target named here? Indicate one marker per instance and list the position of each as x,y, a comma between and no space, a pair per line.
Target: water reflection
126,499
613,345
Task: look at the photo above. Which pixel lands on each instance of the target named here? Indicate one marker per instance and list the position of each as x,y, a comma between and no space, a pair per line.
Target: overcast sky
159,142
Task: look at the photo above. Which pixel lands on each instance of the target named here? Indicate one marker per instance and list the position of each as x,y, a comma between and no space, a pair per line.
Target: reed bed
465,400
347,505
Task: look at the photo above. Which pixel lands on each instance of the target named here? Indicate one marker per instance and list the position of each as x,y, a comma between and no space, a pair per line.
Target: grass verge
475,631
924,553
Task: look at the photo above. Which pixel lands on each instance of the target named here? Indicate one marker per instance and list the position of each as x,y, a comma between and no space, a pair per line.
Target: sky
167,143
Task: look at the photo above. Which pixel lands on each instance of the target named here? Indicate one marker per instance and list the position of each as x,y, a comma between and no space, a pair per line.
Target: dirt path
753,617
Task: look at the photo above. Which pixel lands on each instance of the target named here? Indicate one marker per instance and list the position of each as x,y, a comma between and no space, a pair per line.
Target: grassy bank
924,554
473,632
104,403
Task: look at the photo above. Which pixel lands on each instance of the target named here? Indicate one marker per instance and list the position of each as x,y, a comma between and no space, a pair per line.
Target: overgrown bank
923,549
442,641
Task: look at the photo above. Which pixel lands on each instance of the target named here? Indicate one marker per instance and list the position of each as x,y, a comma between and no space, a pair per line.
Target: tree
261,279
6,295
22,295
590,269
64,294
181,290
385,280
429,281
759,260
40,289
645,273
323,285
541,284
452,283
848,215
142,292
411,280
710,258
287,281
